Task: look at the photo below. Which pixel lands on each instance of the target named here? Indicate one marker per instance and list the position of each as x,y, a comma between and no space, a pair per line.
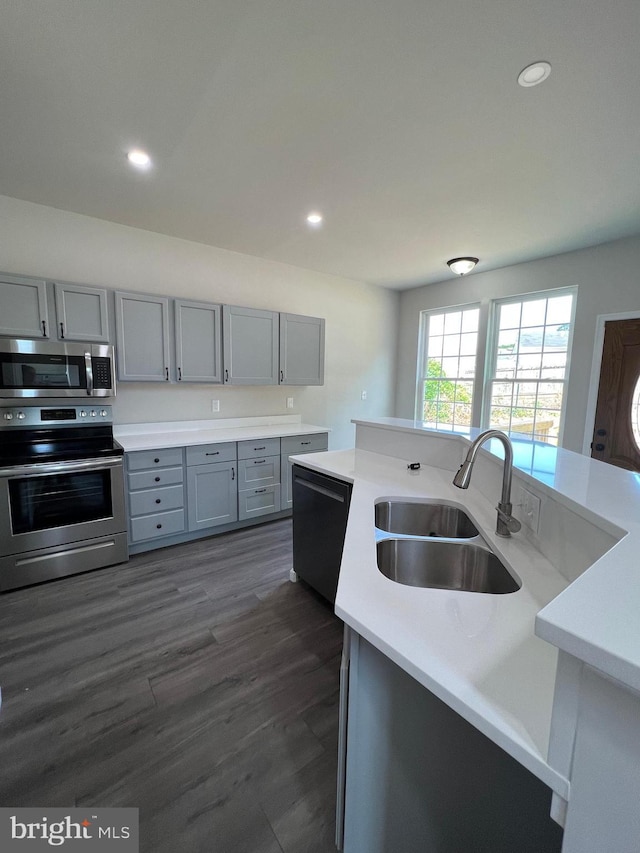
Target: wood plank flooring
195,683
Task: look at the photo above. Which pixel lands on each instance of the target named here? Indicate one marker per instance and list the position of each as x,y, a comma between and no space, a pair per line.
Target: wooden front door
616,435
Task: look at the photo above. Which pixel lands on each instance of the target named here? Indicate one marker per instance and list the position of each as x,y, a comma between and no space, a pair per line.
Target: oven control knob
103,413
21,416
8,416
92,413
83,414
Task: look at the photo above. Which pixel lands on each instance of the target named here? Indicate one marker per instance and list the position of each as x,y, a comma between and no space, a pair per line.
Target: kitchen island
493,659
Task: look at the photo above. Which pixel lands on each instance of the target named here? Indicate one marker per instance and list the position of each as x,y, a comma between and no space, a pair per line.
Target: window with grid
448,366
530,358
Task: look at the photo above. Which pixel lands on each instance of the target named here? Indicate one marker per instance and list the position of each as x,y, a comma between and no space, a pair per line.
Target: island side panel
419,777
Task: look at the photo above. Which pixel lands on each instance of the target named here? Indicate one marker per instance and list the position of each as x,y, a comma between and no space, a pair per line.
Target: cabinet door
81,313
301,350
142,332
250,346
198,342
23,308
212,495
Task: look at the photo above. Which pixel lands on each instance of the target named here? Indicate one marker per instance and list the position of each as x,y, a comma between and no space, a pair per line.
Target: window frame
423,354
487,353
491,356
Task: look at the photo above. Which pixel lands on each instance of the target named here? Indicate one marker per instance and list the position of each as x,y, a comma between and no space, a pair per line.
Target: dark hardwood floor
195,683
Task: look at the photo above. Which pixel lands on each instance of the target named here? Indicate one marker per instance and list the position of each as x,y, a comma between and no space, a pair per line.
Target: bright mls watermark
102,830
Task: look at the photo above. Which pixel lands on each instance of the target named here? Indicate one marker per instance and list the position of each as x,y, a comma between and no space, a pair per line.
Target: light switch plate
289,402
529,509
215,405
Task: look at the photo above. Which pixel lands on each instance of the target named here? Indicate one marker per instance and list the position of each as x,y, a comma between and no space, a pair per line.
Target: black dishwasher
320,511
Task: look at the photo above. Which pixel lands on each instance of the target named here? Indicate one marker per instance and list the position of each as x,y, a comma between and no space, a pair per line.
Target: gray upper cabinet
301,350
142,334
81,313
198,341
23,308
250,346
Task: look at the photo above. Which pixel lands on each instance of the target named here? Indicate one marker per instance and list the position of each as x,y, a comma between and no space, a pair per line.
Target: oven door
59,503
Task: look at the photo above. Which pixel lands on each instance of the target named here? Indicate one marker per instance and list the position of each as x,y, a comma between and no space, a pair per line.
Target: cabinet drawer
292,444
257,502
258,448
203,454
155,526
140,459
255,473
151,479
156,500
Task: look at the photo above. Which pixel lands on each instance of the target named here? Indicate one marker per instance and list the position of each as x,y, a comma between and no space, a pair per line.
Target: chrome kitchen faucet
506,523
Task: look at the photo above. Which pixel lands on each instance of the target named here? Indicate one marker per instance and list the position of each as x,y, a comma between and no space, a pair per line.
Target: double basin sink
432,544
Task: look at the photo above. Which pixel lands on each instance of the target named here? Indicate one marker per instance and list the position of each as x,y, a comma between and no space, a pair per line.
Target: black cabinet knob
157,479
158,500
159,526
156,460
599,446
601,432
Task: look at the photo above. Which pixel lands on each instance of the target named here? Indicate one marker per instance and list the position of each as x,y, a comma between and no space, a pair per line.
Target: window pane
534,312
531,339
559,310
436,324
510,316
470,319
435,346
452,322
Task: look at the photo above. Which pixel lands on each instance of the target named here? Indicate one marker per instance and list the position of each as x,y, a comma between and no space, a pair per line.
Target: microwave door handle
89,370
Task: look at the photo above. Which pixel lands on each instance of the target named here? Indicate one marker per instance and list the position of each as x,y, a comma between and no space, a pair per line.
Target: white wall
608,280
361,319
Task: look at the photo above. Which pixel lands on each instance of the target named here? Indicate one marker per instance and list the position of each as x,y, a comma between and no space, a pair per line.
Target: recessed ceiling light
534,74
139,158
314,219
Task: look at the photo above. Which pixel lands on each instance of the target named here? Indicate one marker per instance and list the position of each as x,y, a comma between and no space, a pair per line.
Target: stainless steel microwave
34,369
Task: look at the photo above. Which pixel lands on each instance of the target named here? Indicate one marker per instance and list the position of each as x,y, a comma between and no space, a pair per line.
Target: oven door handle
61,467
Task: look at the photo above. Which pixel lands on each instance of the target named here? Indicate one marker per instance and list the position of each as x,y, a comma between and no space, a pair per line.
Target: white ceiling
401,120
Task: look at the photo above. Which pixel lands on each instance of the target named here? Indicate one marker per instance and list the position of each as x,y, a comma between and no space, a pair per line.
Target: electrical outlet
215,405
289,402
530,509
363,396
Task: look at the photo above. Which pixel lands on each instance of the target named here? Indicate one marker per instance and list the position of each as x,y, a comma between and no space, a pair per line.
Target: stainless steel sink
424,519
444,565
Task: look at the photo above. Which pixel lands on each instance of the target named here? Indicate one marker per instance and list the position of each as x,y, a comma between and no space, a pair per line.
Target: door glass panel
56,500
635,413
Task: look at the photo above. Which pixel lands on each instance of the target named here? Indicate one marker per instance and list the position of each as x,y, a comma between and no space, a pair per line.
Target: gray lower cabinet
301,350
198,341
142,334
155,492
258,478
250,346
212,486
291,445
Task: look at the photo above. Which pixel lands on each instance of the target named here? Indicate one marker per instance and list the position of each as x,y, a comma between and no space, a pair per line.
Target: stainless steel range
61,493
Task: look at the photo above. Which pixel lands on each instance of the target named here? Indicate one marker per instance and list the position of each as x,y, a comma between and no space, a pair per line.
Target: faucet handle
507,524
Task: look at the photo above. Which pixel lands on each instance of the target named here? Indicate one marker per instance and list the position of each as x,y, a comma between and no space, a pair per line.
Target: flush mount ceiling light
314,219
534,74
462,266
138,158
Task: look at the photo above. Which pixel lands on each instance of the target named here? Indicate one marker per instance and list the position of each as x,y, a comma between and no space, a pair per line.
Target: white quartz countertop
187,433
476,652
479,653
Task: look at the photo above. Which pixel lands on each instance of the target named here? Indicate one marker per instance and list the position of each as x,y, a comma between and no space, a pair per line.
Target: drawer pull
156,460
158,501
157,479
260,448
213,453
159,526
259,461
305,442
260,491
